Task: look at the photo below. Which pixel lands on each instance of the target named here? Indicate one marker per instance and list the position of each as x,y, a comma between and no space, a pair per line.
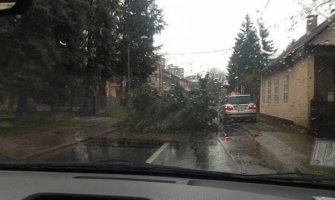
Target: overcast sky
210,25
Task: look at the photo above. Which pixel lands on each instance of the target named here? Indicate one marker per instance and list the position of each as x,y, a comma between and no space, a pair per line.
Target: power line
199,52
266,5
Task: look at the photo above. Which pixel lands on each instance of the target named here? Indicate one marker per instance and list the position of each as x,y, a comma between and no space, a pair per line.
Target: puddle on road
247,152
101,148
203,154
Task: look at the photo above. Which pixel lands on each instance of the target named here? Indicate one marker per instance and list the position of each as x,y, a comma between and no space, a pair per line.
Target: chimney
312,22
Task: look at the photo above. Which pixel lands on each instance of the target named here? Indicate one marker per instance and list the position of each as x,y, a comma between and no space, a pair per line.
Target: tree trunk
123,89
11,102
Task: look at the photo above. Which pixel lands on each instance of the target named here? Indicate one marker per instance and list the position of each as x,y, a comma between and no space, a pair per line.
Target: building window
263,92
286,86
269,92
276,91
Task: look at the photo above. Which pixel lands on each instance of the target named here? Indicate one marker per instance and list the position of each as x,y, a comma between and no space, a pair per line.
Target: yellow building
299,84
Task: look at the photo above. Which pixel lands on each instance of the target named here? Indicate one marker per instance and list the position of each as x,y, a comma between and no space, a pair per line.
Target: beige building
155,79
185,84
169,81
175,70
298,86
162,80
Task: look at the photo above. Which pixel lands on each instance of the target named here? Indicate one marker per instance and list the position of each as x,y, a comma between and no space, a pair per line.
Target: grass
116,111
41,122
282,126
319,170
25,127
301,142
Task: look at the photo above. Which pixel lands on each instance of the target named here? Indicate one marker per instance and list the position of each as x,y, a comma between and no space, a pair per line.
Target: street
232,149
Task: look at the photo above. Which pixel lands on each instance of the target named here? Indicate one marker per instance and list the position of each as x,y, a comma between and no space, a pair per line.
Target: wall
155,78
184,84
300,93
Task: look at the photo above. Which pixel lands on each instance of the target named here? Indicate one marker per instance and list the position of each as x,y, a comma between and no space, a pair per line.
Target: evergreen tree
245,63
139,18
267,46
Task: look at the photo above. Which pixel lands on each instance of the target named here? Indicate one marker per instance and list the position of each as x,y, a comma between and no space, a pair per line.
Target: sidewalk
289,148
24,146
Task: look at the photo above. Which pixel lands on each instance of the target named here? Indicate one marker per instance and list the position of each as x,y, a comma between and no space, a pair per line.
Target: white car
238,107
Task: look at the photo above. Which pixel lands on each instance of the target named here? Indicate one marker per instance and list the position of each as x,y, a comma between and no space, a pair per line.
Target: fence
83,106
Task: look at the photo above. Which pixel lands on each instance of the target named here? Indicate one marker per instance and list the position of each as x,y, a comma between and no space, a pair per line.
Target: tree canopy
61,45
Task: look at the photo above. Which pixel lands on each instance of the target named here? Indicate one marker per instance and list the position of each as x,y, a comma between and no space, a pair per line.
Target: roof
174,76
305,40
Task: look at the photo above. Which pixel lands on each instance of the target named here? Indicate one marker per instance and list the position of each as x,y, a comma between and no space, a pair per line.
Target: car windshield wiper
158,168
118,166
105,165
294,177
124,166
122,163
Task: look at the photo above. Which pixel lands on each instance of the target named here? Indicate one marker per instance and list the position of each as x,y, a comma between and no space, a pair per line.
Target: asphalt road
232,149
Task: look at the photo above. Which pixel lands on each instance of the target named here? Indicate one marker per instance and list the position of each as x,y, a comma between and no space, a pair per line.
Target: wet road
203,152
245,150
232,150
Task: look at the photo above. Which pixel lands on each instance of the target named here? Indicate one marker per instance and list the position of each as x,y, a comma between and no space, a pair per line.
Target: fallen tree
172,112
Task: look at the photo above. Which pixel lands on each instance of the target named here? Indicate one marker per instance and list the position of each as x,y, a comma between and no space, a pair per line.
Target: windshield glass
239,100
145,81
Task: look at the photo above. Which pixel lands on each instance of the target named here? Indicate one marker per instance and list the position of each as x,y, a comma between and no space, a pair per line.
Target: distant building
177,71
155,79
165,81
170,81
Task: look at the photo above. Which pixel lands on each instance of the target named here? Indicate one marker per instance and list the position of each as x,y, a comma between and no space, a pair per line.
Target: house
169,81
175,70
155,78
163,80
185,84
193,81
298,86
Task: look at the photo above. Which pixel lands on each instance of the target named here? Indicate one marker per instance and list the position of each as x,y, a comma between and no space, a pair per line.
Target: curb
38,153
231,156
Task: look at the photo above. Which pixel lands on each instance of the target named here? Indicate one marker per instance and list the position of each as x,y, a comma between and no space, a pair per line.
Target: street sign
323,153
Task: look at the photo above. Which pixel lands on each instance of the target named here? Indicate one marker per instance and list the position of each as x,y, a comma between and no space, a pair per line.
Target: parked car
238,107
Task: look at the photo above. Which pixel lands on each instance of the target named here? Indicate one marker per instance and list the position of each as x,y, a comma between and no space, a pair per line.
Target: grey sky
207,25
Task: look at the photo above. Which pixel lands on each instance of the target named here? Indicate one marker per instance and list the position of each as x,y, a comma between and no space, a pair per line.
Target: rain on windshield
153,81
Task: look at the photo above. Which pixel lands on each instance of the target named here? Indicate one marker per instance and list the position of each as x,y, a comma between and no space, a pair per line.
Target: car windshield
239,100
146,81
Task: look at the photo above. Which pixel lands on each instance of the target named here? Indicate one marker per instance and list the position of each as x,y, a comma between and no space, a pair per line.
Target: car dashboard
17,185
